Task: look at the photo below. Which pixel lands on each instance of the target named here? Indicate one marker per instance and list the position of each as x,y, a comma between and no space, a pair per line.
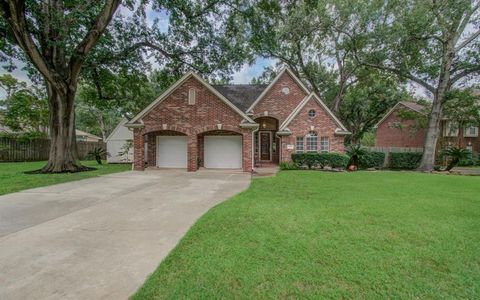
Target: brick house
392,131
195,124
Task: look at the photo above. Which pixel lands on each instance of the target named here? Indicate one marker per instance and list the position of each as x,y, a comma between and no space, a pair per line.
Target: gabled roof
79,132
409,105
172,88
341,130
241,95
121,123
283,71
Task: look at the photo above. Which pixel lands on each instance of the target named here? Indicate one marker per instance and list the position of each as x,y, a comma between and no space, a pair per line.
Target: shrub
311,160
289,165
468,162
371,160
405,160
455,155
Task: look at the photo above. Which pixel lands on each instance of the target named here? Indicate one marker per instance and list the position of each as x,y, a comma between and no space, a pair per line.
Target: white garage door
223,152
172,151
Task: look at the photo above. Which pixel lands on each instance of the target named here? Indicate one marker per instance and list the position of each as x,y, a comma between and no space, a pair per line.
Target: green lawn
363,235
13,179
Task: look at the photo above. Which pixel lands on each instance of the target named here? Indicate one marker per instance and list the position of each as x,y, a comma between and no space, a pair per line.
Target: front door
265,142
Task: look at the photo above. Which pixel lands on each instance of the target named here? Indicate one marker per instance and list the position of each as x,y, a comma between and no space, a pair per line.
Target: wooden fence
388,150
12,149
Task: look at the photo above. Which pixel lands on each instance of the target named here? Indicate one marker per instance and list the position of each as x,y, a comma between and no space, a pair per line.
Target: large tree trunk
63,155
431,137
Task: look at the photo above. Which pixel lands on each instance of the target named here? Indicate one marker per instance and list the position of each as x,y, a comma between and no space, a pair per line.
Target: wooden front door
265,143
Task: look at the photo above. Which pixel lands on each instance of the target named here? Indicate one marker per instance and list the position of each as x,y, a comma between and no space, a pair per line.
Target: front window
300,148
471,131
451,129
312,141
324,144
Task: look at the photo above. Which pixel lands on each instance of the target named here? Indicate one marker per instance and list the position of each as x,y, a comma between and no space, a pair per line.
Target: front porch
267,143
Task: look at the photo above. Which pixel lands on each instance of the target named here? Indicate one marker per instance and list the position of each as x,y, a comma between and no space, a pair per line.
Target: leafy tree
11,85
68,41
431,43
26,111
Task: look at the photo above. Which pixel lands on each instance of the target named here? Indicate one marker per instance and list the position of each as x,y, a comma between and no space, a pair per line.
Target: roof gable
313,96
177,84
409,105
117,129
269,87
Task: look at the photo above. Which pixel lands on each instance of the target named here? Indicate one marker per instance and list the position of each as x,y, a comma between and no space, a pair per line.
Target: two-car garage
220,151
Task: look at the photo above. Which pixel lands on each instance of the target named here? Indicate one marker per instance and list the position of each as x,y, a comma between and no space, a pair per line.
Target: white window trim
303,144
467,131
308,136
328,144
448,130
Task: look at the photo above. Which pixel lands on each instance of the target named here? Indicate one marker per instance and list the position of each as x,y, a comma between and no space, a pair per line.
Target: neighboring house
86,137
116,143
393,131
194,124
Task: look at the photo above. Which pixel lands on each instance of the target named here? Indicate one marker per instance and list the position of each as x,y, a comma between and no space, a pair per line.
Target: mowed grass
364,235
13,179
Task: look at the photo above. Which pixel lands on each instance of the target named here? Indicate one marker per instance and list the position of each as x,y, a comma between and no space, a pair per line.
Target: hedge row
405,160
371,159
320,160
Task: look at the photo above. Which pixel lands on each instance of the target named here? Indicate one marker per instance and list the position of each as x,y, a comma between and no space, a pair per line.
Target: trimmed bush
405,160
371,160
289,165
321,160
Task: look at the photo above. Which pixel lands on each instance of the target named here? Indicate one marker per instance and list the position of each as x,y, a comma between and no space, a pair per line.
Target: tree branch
464,73
92,36
467,41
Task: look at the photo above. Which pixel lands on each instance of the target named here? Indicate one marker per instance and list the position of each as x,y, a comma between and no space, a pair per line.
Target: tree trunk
63,155
431,137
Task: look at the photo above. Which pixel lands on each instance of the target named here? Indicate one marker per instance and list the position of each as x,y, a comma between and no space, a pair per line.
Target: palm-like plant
355,152
455,155
97,154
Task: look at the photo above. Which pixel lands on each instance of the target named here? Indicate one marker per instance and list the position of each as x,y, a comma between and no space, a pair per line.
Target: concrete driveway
100,238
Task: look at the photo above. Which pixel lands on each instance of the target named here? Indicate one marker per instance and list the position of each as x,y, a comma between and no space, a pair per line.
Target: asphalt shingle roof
241,95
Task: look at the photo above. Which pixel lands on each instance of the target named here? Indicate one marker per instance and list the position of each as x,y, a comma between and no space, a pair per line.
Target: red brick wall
175,114
278,104
322,123
390,136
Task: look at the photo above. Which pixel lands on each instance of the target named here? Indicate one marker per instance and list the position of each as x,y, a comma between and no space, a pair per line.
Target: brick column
152,150
247,151
192,152
138,150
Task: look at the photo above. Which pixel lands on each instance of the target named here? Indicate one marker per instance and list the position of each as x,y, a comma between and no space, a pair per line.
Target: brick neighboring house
394,132
194,124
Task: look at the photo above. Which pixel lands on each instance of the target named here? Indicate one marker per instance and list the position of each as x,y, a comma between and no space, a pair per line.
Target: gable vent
192,95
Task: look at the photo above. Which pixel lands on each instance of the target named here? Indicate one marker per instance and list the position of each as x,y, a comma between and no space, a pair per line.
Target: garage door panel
223,152
172,151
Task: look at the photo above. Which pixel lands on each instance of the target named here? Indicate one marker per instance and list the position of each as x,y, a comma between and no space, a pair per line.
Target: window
191,96
451,129
286,90
324,144
470,149
311,113
300,144
312,141
471,131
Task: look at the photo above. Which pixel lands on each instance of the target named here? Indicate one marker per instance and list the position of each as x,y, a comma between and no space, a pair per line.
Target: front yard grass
363,235
13,179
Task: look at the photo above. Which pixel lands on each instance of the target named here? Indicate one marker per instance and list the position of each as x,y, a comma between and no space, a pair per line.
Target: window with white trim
312,141
471,131
192,96
451,129
300,145
311,113
324,144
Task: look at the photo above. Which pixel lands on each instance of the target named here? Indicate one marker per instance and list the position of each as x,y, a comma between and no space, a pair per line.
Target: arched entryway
220,149
166,149
267,144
